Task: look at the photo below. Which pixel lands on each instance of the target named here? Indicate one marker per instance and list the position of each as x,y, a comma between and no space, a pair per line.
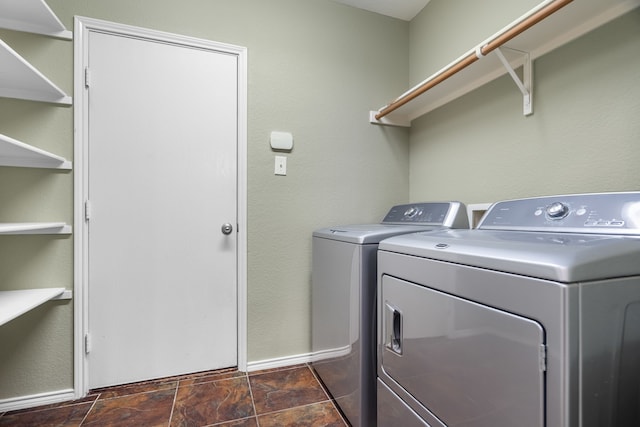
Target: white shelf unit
19,79
16,303
32,16
34,228
570,22
18,154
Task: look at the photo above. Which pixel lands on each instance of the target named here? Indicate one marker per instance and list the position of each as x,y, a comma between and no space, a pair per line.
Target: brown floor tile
282,368
213,402
211,376
247,422
91,397
136,388
201,373
221,398
284,389
316,415
66,416
144,409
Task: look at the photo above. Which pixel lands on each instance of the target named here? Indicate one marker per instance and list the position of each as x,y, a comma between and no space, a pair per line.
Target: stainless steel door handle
227,228
393,326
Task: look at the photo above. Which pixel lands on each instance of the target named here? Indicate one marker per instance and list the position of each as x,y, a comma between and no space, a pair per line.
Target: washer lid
369,233
562,257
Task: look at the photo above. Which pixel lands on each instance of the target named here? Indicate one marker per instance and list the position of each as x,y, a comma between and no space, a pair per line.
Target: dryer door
466,363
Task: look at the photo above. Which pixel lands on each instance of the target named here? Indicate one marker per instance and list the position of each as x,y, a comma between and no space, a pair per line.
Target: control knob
411,212
557,210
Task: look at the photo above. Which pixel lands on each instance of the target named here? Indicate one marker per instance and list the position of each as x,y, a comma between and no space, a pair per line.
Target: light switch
281,165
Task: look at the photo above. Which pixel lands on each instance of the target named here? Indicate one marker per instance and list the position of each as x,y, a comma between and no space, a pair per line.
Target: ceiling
401,9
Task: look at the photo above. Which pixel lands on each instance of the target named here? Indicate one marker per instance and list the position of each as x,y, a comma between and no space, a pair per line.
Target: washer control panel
432,213
605,213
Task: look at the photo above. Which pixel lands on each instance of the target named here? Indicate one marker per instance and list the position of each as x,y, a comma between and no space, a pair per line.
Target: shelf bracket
67,294
386,121
526,84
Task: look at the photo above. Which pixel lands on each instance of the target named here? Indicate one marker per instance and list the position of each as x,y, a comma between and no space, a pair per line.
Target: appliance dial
411,212
557,210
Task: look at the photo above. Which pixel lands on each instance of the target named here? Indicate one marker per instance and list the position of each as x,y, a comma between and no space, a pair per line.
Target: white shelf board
572,21
34,228
32,16
16,303
19,154
19,79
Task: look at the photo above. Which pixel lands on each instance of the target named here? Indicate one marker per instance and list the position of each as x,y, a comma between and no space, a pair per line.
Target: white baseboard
278,362
23,402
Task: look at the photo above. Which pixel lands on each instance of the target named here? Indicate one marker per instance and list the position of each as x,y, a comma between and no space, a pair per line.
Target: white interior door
162,180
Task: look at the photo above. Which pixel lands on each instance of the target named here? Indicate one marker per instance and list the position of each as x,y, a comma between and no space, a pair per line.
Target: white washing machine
343,326
531,320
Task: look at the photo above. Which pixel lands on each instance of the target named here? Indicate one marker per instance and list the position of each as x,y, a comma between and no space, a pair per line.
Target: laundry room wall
444,30
315,69
583,134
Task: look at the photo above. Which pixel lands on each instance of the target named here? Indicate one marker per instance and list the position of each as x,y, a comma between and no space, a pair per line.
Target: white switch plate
281,165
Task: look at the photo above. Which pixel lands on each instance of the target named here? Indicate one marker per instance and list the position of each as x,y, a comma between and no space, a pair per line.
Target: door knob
227,228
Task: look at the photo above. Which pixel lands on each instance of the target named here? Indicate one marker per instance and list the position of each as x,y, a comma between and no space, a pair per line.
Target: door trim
82,27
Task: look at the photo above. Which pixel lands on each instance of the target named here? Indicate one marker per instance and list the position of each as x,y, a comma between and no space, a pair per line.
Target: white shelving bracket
66,295
526,84
386,121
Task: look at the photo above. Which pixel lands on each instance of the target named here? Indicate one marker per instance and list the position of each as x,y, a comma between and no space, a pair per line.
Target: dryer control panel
448,214
601,213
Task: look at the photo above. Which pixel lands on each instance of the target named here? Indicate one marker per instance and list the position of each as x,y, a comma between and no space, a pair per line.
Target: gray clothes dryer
343,299
531,320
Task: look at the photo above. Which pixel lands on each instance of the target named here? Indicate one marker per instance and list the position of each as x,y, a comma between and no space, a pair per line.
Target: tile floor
290,396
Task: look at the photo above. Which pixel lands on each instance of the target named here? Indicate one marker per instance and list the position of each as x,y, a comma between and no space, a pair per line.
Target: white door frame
82,28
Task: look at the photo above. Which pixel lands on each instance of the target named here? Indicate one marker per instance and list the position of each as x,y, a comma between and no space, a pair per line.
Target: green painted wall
315,68
447,29
582,137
